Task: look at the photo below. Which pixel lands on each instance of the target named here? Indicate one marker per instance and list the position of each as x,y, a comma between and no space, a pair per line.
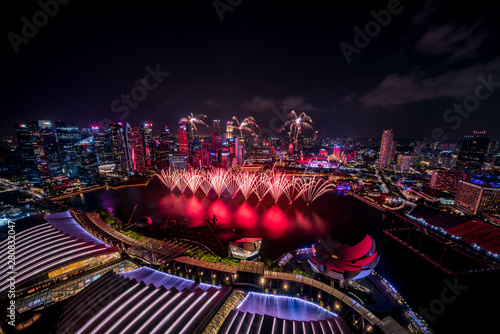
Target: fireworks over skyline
192,120
297,125
275,184
248,124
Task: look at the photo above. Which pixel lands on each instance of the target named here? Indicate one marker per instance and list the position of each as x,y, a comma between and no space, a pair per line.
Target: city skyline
407,77
225,166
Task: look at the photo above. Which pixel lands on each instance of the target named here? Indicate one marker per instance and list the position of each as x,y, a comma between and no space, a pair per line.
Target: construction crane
135,207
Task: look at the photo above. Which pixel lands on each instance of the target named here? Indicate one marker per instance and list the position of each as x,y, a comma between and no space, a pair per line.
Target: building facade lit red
136,149
386,147
182,138
446,180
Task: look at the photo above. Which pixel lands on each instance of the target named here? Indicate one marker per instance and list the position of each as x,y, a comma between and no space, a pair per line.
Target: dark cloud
212,104
426,12
457,41
259,103
297,103
398,89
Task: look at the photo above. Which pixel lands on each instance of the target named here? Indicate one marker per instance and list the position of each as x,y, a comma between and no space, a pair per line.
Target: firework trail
276,184
219,178
249,125
247,181
193,120
312,188
297,124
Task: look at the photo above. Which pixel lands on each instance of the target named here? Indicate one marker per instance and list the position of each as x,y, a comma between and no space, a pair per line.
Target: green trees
302,273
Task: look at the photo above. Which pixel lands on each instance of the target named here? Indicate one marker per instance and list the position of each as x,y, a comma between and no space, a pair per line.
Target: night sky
260,57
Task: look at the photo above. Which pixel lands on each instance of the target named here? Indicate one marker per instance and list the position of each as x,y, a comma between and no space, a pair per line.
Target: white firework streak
246,181
232,185
218,178
277,183
260,187
311,189
177,179
166,179
292,190
194,179
205,184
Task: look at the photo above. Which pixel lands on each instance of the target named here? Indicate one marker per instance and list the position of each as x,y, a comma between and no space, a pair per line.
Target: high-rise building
149,145
68,135
386,147
46,152
30,168
404,162
336,152
392,159
165,134
239,150
88,163
216,144
472,153
182,138
135,146
446,180
216,124
493,147
476,198
119,148
46,137
229,129
102,143
161,152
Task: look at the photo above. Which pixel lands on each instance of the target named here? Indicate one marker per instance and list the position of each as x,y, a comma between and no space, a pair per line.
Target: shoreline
58,198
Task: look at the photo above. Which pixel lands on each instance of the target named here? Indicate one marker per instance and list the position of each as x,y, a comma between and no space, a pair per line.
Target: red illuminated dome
144,222
344,262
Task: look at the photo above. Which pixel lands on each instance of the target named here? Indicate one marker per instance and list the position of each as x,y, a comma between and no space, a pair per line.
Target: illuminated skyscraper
102,143
30,168
46,151
161,152
386,149
229,129
239,149
476,198
336,151
445,180
119,147
182,138
471,156
216,124
135,145
216,144
202,156
68,135
149,145
88,167
404,162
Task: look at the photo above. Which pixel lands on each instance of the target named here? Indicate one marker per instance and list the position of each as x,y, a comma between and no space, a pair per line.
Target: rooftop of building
46,242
